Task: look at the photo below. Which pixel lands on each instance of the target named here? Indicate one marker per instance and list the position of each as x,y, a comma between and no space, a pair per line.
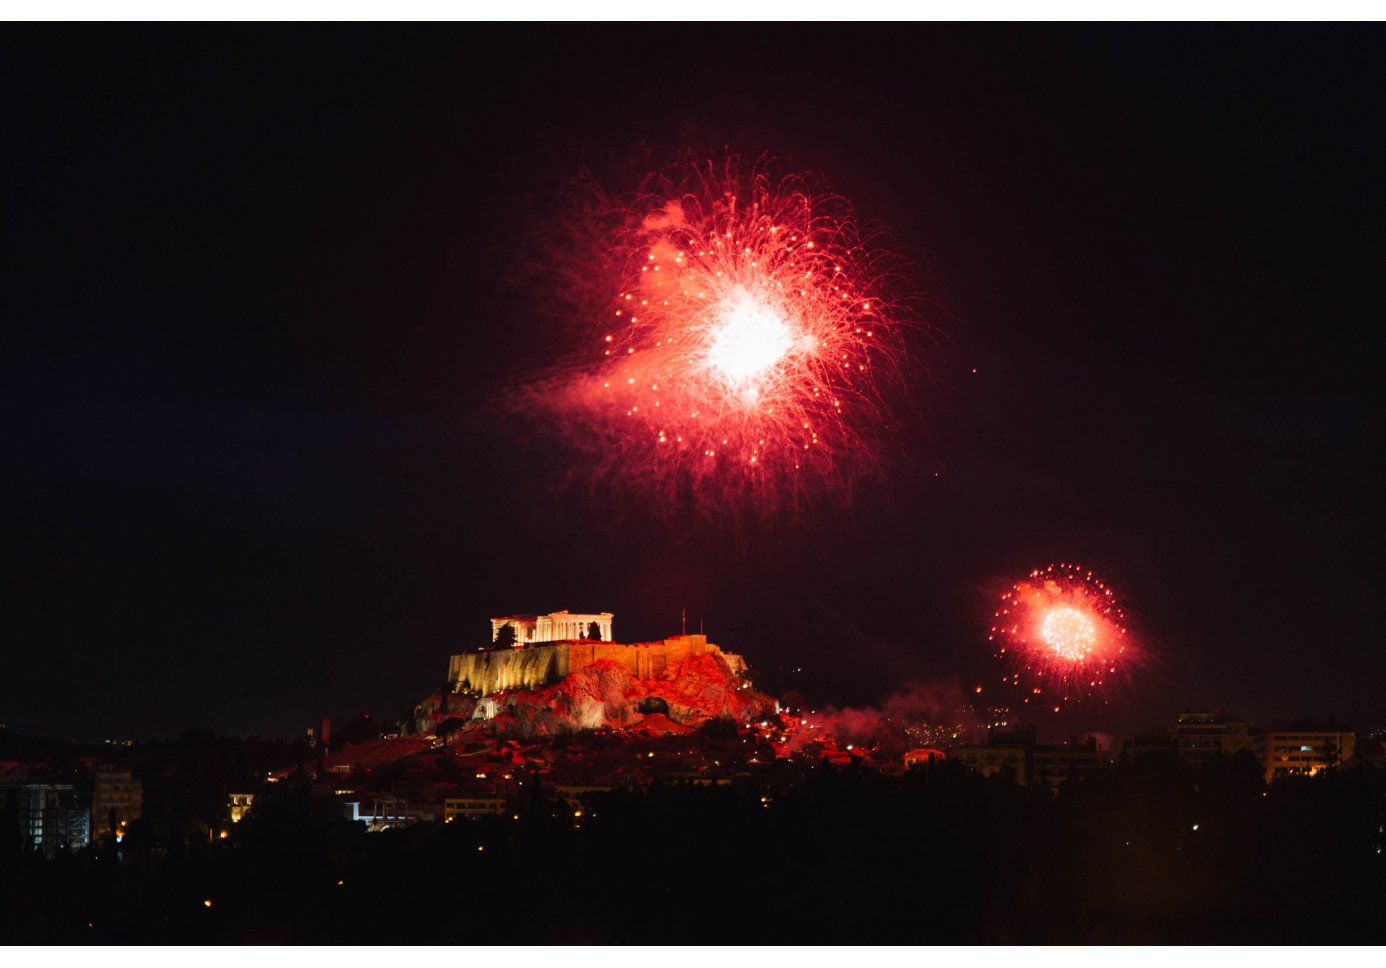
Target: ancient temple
490,671
555,627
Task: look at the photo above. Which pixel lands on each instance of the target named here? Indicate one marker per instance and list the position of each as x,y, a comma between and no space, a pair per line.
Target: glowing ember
1062,635
752,343
1069,633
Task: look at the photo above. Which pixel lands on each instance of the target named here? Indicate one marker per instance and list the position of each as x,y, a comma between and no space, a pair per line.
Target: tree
1330,754
719,730
505,637
594,632
448,729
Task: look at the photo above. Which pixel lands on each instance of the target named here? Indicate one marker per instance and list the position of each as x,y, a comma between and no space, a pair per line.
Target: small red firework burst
1062,636
752,344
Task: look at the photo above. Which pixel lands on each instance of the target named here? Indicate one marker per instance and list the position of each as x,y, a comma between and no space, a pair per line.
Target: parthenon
562,626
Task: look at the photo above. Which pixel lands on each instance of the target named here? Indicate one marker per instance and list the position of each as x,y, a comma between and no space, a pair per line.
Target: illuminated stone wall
484,673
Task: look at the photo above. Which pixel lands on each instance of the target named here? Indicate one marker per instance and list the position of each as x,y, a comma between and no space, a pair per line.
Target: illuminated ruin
486,672
554,627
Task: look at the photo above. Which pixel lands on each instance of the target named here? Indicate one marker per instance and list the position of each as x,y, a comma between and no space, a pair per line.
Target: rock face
482,674
438,708
674,685
693,690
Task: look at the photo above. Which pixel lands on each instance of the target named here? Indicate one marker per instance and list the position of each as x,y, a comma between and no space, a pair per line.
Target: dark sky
254,287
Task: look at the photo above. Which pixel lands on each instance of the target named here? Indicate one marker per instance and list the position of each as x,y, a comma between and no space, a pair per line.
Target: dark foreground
936,856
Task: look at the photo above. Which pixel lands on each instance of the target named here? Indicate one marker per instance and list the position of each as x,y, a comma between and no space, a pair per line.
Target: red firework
752,341
1062,636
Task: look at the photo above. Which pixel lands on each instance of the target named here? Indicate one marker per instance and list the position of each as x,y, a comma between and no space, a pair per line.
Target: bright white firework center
747,338
1069,632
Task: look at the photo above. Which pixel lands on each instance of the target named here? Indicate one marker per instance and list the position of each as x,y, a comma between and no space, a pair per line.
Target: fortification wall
484,673
643,660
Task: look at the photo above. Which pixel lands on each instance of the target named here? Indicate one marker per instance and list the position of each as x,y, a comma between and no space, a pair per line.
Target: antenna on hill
700,626
683,621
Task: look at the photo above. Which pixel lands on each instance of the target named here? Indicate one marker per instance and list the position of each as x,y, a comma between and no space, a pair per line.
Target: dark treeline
1147,852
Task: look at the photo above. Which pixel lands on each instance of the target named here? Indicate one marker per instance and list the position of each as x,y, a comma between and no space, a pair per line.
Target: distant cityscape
554,756
96,795
453,757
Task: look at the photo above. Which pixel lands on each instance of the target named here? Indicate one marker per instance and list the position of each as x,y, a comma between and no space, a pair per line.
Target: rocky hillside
604,695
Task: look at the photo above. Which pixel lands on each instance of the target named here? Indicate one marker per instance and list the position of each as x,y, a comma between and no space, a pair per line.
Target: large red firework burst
1062,636
752,343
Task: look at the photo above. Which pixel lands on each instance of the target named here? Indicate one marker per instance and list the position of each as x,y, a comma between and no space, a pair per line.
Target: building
1014,754
1007,754
562,626
1203,736
1008,762
51,818
385,812
1305,749
1157,742
1057,763
572,793
471,807
1019,735
117,800
238,805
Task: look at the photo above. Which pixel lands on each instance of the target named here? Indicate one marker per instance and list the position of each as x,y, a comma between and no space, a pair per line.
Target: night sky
261,300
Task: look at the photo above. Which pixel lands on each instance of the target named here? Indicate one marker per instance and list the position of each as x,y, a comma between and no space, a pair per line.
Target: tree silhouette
1331,757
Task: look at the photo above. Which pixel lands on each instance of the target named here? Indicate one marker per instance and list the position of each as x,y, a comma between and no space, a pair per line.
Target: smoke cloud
668,217
896,725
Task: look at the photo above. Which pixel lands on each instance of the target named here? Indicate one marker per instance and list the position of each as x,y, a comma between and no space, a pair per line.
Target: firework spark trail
1062,636
753,344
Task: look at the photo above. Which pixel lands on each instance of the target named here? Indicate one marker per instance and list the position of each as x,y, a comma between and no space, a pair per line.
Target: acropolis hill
536,661
545,675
